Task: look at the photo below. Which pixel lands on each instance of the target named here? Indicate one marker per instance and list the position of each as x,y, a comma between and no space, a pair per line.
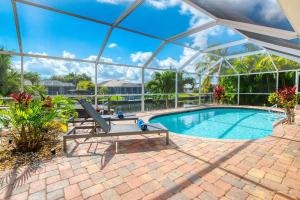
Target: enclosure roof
148,34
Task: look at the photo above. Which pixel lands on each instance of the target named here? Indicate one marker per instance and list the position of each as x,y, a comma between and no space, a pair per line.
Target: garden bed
9,158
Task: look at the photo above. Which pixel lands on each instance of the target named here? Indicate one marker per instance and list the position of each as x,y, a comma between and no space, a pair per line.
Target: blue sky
49,33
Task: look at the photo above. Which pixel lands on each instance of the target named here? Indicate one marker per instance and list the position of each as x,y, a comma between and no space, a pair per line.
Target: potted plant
219,93
285,98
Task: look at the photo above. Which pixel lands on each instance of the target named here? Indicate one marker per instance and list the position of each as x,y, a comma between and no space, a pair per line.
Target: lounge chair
107,130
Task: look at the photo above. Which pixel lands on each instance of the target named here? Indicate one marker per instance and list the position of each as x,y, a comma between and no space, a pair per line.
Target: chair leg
167,138
117,143
64,145
116,146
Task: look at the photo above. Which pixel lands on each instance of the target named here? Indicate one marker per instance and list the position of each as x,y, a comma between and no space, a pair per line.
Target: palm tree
9,79
164,83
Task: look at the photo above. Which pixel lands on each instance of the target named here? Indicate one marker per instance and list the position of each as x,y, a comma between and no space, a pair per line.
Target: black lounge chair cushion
95,115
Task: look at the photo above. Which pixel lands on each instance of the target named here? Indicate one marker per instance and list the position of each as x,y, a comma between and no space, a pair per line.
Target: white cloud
270,10
91,58
163,4
38,53
120,73
49,67
169,62
68,55
140,56
109,60
112,45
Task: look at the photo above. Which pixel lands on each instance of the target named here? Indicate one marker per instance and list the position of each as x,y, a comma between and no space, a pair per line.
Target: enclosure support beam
190,60
275,47
227,45
22,74
297,81
281,54
178,36
270,57
231,66
274,32
134,6
143,91
176,90
245,54
277,81
96,86
238,92
19,43
199,90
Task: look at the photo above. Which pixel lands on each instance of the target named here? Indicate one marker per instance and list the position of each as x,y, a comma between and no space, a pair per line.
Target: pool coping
274,125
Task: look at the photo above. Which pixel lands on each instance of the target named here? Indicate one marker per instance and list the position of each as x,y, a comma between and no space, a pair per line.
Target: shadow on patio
213,165
107,148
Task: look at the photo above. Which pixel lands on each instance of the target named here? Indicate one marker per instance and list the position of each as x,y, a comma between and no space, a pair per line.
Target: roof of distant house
56,83
118,83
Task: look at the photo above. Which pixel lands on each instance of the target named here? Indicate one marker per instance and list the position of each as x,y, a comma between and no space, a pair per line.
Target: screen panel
252,63
129,48
50,33
211,37
285,64
238,49
172,56
201,63
104,10
8,35
164,18
294,44
227,69
264,13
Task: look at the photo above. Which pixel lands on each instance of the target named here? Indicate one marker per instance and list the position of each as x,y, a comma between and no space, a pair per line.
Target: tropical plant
33,119
259,83
9,79
36,90
64,107
164,83
30,121
285,98
219,93
72,78
33,77
86,85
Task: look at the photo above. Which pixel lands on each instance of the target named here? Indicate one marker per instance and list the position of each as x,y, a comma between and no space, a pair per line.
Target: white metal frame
267,47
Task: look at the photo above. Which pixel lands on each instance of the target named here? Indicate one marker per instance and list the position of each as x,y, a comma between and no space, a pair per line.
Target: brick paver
145,168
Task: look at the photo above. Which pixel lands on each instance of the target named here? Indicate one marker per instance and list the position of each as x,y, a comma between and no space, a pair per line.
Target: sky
49,33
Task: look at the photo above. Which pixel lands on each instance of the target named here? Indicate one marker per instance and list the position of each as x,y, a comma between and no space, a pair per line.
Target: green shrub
33,119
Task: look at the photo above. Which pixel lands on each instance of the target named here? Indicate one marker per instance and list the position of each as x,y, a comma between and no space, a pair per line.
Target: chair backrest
95,115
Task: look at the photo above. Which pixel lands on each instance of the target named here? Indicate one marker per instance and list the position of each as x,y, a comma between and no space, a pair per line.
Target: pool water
221,123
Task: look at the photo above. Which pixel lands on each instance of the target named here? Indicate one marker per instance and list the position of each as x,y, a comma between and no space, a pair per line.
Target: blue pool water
221,123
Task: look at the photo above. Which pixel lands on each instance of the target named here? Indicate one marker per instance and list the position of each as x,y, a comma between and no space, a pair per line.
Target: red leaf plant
21,98
286,96
48,102
218,93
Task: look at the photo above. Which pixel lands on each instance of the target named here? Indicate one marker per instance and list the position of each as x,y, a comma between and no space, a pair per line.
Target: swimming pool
221,123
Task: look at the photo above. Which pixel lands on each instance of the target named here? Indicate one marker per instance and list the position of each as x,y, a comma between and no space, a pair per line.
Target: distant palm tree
164,83
9,78
5,64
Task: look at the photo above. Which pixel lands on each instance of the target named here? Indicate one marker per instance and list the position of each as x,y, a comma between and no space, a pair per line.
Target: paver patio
189,168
